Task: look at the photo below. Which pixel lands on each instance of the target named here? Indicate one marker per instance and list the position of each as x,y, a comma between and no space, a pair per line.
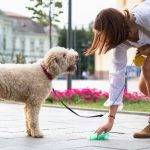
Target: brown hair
110,29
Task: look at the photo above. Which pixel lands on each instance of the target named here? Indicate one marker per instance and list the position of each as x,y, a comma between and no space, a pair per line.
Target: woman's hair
110,29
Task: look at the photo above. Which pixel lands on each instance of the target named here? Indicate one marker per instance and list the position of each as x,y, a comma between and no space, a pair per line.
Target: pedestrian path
65,131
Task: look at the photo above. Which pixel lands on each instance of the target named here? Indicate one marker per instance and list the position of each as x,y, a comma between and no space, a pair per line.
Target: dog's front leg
27,120
32,113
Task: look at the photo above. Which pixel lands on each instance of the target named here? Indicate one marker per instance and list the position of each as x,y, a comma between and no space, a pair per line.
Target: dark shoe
145,133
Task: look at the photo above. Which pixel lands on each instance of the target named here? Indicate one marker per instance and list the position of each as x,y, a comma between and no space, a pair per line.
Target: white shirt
119,60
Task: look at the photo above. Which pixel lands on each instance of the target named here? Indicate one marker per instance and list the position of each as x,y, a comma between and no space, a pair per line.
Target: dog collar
48,75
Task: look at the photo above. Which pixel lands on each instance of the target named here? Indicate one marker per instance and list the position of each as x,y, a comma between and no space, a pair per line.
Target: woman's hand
144,50
106,127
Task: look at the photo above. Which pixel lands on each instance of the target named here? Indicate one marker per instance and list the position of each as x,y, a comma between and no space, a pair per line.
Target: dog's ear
48,60
54,67
51,62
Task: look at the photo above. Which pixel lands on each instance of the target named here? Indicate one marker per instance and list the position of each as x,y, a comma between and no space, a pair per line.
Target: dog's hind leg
32,111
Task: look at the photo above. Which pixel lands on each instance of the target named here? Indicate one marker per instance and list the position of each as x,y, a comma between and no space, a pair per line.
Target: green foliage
141,106
49,100
81,39
62,39
76,100
45,11
137,106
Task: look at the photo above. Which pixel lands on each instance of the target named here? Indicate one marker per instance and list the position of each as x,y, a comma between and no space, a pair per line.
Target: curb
101,110
84,109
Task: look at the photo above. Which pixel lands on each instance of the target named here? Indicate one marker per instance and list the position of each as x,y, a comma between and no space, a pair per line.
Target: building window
22,45
32,44
4,39
14,43
41,45
1,42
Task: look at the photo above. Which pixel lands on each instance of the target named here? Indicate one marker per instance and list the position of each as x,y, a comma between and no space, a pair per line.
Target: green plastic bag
103,136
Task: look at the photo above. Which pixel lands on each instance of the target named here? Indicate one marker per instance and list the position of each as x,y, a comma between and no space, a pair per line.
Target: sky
83,11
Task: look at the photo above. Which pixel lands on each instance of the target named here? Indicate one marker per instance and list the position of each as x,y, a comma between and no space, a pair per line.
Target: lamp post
69,37
50,26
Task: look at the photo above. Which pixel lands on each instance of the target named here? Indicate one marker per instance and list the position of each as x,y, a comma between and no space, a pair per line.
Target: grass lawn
141,106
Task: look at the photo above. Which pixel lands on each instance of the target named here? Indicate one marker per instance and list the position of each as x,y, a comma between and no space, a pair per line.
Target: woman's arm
144,50
117,82
117,75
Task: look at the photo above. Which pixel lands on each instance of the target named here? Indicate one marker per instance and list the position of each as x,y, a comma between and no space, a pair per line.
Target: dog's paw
37,134
28,132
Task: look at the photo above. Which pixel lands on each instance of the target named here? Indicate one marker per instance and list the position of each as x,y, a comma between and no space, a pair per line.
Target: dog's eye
64,55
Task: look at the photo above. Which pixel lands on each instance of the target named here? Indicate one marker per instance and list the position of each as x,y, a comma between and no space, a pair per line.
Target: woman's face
133,34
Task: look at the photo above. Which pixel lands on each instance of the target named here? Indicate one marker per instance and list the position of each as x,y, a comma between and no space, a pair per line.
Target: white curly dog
30,83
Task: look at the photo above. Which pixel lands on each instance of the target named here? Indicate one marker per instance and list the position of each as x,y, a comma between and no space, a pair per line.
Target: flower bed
91,95
134,96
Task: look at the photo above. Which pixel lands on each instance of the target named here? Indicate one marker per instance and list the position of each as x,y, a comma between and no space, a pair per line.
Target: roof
13,14
22,23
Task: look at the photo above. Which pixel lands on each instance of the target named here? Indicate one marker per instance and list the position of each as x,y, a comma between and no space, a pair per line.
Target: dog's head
59,60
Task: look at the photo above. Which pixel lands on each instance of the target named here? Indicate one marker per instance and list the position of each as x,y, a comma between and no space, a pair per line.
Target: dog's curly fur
29,84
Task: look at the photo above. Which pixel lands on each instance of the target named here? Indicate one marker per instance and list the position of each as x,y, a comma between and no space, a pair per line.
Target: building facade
19,35
102,62
5,36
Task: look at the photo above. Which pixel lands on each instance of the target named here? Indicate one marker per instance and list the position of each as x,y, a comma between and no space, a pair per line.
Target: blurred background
29,28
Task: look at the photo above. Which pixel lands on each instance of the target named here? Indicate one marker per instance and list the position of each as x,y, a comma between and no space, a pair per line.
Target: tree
81,40
62,39
46,12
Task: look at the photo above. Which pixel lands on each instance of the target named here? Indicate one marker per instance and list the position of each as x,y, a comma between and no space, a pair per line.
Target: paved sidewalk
65,131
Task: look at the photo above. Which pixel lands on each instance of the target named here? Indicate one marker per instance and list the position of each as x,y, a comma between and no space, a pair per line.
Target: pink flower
133,96
92,95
